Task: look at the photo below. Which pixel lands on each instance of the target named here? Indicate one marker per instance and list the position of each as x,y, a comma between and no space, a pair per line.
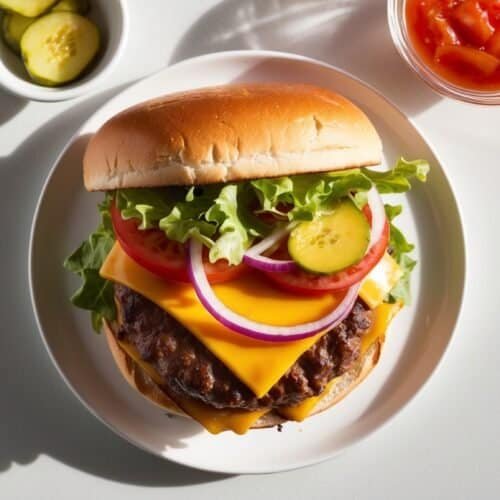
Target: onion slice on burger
253,256
245,326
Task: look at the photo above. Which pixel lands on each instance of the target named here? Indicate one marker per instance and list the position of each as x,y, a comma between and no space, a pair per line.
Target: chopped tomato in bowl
453,37
454,45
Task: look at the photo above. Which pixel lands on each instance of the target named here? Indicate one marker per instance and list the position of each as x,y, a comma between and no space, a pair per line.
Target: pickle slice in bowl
13,27
28,8
58,47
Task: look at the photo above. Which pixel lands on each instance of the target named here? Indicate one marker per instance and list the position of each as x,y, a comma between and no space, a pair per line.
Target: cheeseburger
245,269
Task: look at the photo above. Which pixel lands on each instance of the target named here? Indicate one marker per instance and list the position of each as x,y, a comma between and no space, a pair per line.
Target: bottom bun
139,378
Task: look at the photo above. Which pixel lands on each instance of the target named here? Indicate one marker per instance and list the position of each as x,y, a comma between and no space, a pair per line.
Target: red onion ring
254,259
245,326
253,256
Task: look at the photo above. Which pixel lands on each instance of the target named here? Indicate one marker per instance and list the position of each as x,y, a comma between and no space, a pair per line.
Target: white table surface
445,444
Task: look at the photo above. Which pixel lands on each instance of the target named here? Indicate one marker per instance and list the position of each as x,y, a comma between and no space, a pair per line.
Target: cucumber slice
331,242
77,6
13,27
28,8
58,47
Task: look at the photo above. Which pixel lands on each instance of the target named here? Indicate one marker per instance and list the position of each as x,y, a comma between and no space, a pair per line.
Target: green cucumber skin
303,261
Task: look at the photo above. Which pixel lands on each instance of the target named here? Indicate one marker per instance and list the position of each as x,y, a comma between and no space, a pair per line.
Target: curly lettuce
228,217
399,248
216,216
95,293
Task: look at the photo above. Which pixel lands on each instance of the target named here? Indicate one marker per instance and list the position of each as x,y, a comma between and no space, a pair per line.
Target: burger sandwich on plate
245,269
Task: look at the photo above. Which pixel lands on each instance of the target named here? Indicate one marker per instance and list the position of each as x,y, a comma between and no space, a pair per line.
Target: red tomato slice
305,283
152,250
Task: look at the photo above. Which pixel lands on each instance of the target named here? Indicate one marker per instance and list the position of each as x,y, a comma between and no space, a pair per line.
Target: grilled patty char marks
189,368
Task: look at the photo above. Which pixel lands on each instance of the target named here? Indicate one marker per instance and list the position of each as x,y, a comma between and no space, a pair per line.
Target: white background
445,444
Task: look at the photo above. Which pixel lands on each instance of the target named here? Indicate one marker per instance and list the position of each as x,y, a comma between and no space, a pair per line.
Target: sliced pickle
331,242
13,27
58,47
28,8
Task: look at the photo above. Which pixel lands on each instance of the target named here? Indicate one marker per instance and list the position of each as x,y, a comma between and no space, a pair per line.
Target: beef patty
189,368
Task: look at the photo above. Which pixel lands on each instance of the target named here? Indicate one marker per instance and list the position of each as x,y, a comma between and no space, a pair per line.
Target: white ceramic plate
419,335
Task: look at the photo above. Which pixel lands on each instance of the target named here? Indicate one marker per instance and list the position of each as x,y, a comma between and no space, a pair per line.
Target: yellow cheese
258,364
239,421
381,318
380,281
302,410
216,421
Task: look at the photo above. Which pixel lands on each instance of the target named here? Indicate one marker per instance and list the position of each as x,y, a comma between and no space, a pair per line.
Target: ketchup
458,39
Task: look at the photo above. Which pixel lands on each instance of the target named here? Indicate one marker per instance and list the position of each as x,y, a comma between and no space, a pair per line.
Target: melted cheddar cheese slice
381,318
303,410
240,421
214,421
380,281
258,364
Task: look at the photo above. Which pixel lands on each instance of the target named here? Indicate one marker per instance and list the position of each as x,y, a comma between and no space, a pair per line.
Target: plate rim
255,54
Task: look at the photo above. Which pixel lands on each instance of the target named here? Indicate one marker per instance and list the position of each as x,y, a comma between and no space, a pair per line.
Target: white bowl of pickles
52,50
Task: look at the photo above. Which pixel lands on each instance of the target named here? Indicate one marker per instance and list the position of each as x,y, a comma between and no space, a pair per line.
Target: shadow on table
9,106
38,414
349,34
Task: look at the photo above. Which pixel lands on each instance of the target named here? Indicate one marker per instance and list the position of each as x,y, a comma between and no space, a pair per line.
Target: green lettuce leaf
227,217
147,205
234,238
181,229
95,293
272,193
398,179
401,290
399,249
187,218
249,217
307,195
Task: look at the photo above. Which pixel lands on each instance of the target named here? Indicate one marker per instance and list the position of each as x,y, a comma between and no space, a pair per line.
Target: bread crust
144,384
230,133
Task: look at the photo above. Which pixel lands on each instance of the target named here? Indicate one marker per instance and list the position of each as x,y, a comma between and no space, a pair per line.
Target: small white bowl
111,16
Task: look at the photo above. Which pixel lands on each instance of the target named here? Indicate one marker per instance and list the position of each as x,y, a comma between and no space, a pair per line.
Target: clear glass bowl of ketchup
453,45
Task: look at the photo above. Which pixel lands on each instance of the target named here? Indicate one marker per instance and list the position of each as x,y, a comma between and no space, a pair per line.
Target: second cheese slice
258,364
